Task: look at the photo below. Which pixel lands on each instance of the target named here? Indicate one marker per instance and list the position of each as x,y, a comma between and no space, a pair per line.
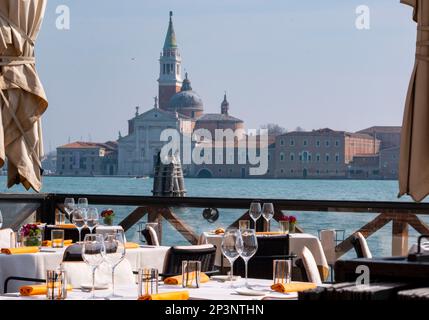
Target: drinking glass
267,213
82,203
69,206
56,284
229,249
255,211
92,218
1,220
247,245
79,217
243,224
93,253
115,253
57,238
147,281
191,274
282,270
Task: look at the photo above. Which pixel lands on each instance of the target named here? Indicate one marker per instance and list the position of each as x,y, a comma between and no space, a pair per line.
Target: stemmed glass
1,220
247,245
93,252
115,253
82,203
69,206
92,218
79,218
267,213
229,249
255,212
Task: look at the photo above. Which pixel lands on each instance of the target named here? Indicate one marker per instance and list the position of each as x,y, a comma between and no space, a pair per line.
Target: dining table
35,265
212,290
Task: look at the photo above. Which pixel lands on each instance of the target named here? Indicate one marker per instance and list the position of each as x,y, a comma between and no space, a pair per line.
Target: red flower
284,218
107,213
292,219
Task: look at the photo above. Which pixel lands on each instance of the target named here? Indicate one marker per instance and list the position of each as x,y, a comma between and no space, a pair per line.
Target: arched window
292,157
282,156
318,157
305,156
327,157
337,157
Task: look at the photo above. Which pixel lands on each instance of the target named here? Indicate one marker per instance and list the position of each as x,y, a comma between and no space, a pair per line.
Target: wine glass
255,212
82,203
69,206
93,252
247,245
229,249
1,220
79,218
115,253
92,218
267,213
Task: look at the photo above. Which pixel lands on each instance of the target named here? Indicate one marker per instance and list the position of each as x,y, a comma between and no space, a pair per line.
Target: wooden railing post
399,236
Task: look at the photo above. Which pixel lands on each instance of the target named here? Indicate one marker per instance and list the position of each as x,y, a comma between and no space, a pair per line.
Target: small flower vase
292,227
33,241
108,221
284,226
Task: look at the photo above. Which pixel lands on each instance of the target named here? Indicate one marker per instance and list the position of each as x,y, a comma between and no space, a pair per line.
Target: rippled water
367,190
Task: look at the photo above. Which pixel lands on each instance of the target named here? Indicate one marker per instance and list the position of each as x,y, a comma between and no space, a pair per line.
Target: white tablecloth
212,290
35,265
297,243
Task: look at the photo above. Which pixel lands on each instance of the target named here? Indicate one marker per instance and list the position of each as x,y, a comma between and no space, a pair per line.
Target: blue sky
295,63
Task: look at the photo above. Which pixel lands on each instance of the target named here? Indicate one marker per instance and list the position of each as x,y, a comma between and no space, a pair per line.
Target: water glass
92,218
282,270
57,238
56,284
243,224
93,253
79,218
191,274
229,248
147,282
284,226
59,217
115,253
247,245
267,213
69,206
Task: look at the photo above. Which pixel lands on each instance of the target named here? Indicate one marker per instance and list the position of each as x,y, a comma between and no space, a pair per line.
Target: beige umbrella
414,158
22,98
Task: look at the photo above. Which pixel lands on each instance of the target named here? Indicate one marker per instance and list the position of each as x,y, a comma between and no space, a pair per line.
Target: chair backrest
6,238
150,236
327,239
270,248
79,273
73,253
310,266
361,246
175,255
105,230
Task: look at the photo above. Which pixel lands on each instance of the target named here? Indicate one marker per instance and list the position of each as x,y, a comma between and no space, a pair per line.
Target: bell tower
170,74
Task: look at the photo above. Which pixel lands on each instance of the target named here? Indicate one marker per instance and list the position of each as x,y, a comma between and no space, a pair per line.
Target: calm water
380,242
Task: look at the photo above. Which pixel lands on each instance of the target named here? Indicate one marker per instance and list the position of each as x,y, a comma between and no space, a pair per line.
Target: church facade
178,107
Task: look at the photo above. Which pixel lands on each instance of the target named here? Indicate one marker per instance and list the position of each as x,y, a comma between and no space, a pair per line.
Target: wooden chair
260,266
175,255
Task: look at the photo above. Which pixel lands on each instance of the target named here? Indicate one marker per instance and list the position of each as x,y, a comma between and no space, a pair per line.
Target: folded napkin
48,243
219,231
270,233
293,287
65,226
179,295
178,279
37,290
21,250
131,245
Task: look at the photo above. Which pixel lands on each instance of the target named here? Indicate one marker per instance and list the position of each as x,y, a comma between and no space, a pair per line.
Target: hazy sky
295,63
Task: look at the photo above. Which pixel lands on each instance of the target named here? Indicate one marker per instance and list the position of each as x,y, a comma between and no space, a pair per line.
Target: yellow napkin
21,250
48,243
293,287
131,245
65,226
179,295
178,279
37,290
219,231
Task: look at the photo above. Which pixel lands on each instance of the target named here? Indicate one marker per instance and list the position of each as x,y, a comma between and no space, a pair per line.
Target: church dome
186,100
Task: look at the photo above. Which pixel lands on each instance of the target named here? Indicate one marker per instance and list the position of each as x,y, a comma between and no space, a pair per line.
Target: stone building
389,163
323,153
87,159
390,136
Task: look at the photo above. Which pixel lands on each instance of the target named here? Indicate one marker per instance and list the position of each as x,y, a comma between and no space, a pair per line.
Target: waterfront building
322,153
390,136
389,163
87,159
364,166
